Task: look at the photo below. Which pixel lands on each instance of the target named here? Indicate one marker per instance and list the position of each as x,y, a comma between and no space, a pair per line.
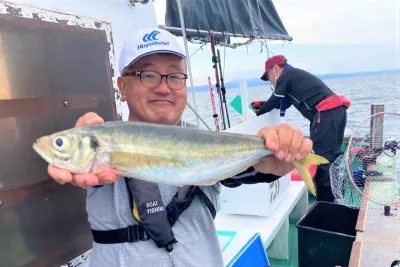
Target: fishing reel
392,145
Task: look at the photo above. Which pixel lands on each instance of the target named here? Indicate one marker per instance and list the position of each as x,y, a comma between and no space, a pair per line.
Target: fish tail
301,166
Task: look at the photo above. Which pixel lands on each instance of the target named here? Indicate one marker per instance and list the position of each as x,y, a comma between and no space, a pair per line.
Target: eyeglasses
153,79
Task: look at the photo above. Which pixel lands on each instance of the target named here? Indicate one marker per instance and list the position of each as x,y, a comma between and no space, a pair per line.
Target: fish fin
218,178
305,175
233,173
301,166
126,160
313,159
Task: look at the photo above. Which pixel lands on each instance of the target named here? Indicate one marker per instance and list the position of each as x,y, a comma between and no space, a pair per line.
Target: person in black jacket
326,111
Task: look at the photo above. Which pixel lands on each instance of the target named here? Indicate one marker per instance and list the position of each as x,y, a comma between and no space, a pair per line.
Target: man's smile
161,102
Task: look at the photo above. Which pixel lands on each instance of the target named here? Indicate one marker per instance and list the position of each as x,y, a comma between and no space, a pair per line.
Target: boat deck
276,231
378,236
379,243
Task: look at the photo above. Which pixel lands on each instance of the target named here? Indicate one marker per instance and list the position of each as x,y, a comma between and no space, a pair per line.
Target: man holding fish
179,169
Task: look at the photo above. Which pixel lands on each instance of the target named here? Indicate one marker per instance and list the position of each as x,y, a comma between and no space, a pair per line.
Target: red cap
275,60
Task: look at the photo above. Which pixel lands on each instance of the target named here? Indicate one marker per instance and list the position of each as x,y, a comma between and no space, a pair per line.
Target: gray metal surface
381,239
54,67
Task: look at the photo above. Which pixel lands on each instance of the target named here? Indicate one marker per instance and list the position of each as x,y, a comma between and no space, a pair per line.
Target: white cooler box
255,199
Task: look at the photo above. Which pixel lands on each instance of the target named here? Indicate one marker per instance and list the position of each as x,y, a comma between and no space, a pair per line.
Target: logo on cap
148,37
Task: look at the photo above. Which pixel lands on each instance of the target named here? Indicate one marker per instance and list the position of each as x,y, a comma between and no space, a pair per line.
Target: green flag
236,104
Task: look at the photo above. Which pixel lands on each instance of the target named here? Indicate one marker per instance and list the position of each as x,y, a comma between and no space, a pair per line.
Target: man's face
273,74
157,104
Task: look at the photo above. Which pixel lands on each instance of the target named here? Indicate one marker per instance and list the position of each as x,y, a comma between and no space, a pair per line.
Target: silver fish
159,153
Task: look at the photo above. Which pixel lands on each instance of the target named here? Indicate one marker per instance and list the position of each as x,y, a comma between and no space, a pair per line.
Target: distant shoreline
251,82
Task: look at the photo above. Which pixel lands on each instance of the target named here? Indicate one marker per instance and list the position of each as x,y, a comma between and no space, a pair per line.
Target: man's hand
287,144
83,180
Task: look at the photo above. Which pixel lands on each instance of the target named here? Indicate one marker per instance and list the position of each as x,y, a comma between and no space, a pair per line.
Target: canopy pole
189,65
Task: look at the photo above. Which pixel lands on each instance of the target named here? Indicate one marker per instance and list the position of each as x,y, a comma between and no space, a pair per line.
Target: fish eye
60,143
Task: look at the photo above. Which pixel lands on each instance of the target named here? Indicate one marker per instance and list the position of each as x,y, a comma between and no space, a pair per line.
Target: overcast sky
328,36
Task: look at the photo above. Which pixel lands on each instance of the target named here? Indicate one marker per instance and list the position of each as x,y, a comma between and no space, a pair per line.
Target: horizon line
331,75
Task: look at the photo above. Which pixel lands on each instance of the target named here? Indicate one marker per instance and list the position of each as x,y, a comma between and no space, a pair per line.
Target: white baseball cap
147,41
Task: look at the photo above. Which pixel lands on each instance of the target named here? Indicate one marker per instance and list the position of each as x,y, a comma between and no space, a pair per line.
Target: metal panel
54,67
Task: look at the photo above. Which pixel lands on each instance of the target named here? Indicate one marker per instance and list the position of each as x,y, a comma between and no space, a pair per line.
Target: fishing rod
215,115
223,89
214,60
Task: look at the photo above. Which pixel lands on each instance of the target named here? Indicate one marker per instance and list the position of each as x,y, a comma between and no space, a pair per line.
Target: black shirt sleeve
270,104
276,97
249,176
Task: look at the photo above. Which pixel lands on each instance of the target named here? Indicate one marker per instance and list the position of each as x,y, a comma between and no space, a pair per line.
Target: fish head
68,150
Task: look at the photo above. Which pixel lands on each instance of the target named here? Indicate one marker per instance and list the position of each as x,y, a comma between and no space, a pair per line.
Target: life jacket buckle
137,233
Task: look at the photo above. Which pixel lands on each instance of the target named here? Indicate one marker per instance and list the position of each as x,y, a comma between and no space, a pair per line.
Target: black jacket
302,89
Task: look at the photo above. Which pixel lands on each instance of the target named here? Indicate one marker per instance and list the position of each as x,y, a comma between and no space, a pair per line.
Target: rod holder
376,126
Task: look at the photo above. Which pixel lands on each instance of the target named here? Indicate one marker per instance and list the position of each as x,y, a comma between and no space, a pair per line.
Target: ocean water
363,91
